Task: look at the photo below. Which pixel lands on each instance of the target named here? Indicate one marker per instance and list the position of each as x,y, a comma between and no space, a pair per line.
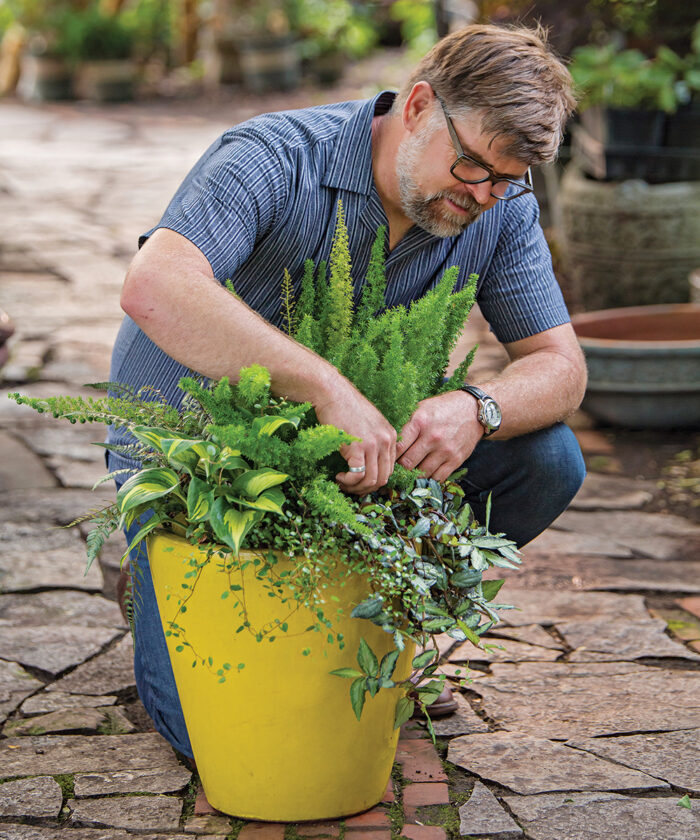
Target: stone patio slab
598,816
536,765
107,673
578,572
54,648
57,701
57,559
54,754
168,780
16,684
549,607
507,650
531,634
586,700
462,722
673,756
59,607
59,506
621,640
609,492
20,468
483,815
37,797
566,542
142,813
16,831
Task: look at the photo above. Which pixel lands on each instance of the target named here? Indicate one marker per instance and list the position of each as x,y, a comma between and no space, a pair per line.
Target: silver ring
357,469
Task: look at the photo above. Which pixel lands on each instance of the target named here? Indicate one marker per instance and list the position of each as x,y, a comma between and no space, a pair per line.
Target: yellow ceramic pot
278,740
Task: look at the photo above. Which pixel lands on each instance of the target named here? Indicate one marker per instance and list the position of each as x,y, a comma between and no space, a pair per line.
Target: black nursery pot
625,126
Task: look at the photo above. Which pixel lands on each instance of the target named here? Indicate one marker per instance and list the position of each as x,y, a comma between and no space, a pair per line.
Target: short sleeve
232,197
520,295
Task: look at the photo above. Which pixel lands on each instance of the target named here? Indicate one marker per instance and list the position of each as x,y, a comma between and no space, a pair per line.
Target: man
445,165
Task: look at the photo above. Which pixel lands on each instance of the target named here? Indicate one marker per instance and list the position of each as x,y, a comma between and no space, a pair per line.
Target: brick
319,829
262,831
424,832
389,797
371,834
431,793
692,605
374,818
201,804
419,762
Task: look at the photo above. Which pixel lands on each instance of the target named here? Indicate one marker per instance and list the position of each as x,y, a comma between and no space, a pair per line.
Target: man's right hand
349,410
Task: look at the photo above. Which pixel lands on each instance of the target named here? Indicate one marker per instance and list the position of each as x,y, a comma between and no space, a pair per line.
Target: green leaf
684,802
348,673
186,452
230,524
145,486
420,529
469,633
267,426
465,578
423,659
200,498
490,588
271,500
229,459
357,696
367,660
404,710
388,663
255,482
369,608
151,436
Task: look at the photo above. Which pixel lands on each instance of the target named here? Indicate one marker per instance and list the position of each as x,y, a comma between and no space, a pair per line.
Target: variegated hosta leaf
200,498
186,452
151,436
269,425
254,482
271,501
230,524
145,486
230,459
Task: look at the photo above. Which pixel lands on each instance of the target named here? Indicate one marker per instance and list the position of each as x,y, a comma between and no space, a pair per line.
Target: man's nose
480,192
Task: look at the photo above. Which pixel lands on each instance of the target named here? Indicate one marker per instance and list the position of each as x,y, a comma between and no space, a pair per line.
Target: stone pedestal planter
643,365
630,243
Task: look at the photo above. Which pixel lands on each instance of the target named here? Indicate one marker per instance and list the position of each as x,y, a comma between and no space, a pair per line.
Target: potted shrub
106,70
251,541
266,42
331,34
51,31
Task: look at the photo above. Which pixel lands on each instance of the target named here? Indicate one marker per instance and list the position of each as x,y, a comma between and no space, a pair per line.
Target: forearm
537,390
200,324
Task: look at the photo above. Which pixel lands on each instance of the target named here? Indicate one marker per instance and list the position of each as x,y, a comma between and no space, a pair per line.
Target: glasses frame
525,186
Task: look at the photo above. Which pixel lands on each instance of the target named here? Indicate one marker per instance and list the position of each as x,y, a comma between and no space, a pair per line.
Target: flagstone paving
582,718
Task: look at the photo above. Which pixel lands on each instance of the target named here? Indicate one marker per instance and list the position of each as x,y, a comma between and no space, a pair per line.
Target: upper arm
560,340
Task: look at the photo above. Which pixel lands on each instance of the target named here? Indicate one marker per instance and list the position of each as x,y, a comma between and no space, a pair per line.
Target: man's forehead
488,147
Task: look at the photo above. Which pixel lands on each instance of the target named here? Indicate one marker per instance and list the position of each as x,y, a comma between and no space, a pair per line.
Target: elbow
135,298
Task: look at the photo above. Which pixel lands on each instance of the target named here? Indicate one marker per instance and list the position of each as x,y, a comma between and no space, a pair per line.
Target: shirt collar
350,165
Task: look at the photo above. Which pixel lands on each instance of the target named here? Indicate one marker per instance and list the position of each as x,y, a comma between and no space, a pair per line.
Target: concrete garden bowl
643,365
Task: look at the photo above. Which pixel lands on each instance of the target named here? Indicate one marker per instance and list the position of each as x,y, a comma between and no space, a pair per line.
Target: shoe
443,706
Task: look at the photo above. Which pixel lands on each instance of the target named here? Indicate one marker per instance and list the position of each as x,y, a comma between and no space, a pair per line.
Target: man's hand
440,435
376,449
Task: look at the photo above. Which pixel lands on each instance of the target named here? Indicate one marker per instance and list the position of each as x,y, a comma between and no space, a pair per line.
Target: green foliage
328,26
617,78
397,357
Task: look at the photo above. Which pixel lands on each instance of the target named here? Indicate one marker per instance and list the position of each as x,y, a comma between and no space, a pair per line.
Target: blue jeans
532,479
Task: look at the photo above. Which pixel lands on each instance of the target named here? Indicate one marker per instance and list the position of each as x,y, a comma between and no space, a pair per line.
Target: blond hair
511,76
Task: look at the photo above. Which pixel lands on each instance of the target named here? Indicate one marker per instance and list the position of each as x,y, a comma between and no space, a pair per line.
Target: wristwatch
489,414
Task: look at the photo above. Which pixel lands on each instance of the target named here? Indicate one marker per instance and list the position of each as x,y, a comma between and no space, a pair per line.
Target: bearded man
445,165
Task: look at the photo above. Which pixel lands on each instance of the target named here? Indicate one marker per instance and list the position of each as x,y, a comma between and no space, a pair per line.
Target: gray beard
428,212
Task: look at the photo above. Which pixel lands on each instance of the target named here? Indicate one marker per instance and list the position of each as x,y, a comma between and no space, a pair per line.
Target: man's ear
418,106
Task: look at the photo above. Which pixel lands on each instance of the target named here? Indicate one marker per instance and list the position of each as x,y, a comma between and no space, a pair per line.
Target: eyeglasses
470,171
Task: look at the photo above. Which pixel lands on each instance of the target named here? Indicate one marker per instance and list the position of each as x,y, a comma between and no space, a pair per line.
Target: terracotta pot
643,365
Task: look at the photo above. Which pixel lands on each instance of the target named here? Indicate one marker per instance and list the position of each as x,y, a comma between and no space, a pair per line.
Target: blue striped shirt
263,198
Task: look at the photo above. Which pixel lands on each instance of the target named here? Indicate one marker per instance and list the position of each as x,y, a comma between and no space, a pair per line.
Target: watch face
491,414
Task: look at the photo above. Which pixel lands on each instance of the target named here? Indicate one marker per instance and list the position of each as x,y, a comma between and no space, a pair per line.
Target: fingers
377,456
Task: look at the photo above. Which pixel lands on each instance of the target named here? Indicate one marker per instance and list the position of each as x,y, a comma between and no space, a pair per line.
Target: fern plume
338,315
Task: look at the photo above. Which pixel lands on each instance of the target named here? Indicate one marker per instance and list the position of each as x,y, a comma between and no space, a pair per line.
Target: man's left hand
440,435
